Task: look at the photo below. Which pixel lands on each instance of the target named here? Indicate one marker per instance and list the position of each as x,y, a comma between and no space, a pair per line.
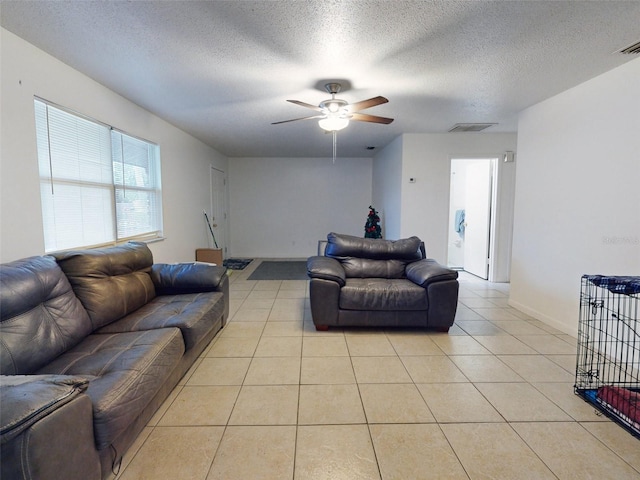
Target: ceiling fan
335,113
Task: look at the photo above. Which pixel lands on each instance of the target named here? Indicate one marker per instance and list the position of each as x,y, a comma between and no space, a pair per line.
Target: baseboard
552,322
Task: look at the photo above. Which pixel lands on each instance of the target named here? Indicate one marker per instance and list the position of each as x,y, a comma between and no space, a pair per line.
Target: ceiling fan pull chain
335,136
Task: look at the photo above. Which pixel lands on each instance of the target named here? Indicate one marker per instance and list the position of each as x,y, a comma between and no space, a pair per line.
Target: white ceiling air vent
631,49
471,127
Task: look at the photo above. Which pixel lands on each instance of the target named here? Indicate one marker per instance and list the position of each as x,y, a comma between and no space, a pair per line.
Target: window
98,185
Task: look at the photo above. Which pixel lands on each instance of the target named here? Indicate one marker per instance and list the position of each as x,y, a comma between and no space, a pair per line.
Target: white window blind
98,185
136,176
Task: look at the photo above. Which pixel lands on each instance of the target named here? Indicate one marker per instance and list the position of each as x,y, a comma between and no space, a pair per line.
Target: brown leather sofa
380,283
92,343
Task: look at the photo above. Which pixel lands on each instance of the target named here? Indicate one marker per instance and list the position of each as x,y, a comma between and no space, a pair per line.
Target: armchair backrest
373,258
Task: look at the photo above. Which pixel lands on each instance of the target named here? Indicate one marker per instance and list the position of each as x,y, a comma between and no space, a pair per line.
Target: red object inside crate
624,401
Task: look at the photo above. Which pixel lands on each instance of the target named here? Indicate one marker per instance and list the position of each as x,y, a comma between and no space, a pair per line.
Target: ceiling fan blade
307,105
363,117
296,119
371,102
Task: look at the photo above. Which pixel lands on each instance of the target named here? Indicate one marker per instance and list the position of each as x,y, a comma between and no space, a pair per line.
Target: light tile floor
271,398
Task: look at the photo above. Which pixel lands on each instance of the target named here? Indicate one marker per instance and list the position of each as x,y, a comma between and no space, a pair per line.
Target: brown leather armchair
380,283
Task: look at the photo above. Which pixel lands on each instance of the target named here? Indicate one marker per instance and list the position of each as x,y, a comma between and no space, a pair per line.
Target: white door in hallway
218,214
477,218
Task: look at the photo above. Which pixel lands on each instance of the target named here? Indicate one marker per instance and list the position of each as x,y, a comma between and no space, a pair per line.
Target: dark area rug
237,263
280,270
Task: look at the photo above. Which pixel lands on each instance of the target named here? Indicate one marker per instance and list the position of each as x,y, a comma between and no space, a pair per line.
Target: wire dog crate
608,358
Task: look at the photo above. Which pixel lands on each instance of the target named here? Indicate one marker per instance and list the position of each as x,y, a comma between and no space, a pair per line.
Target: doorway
472,215
219,209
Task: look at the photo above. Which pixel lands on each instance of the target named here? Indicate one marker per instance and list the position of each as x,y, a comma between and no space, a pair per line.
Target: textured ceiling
223,70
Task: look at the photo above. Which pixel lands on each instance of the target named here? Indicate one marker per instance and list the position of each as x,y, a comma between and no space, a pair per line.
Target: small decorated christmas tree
372,227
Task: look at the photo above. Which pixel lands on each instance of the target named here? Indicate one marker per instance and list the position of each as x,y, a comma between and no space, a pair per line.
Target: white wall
387,188
281,207
424,208
577,208
28,71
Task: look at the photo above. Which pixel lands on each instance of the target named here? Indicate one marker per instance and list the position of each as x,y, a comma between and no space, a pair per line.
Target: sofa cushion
110,282
193,313
40,316
382,294
125,371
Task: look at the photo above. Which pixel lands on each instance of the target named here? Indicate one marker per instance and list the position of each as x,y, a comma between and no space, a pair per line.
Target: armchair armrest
326,268
172,279
427,271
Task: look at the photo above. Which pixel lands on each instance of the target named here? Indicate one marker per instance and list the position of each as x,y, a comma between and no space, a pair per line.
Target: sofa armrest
427,271
326,268
173,279
37,410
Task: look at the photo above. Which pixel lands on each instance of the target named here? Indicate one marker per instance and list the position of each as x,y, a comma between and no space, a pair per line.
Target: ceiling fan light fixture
333,123
334,105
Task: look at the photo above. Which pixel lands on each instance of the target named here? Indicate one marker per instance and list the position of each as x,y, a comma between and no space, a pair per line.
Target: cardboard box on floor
209,255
